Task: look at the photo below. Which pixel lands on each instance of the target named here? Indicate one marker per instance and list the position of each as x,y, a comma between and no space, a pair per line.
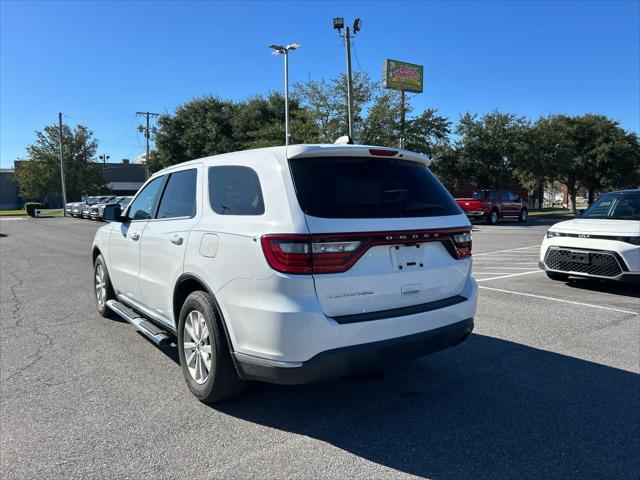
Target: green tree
424,133
199,128
210,126
489,147
327,103
606,155
38,175
446,164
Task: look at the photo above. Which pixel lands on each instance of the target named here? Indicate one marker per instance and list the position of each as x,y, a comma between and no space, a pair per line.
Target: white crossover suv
289,264
603,243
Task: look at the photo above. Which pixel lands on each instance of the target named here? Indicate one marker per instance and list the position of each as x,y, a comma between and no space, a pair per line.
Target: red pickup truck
493,205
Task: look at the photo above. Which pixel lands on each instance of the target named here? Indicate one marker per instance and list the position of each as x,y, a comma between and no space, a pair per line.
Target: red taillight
379,152
462,243
333,253
304,254
288,253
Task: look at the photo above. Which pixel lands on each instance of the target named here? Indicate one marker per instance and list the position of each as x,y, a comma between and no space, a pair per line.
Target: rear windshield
362,187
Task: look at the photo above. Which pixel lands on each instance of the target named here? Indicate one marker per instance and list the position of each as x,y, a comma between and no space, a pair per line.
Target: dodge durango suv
289,264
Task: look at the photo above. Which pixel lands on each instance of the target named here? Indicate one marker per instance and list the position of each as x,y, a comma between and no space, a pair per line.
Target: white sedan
604,243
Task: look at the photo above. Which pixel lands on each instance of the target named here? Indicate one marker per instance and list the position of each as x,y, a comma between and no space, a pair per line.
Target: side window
505,197
490,196
235,190
179,197
143,204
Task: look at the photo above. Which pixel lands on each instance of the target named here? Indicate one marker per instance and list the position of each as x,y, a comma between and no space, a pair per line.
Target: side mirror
112,213
518,198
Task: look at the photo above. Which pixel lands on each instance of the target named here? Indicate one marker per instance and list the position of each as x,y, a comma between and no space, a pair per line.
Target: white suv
290,265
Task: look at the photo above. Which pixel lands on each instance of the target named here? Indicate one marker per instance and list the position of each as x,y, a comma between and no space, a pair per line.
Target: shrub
31,207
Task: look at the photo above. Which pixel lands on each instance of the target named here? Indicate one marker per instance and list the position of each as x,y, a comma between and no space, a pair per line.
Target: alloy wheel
101,286
197,346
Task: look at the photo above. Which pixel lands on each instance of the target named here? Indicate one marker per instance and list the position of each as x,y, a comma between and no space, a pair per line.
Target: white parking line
508,276
542,297
508,250
481,267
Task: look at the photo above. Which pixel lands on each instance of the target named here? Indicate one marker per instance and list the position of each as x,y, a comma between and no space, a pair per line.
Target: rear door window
179,196
235,190
365,187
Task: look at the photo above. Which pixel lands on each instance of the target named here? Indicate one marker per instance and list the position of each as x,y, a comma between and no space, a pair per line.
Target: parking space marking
561,300
508,250
508,276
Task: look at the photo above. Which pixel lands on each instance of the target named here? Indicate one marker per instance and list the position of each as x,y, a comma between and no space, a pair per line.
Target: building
124,178
9,199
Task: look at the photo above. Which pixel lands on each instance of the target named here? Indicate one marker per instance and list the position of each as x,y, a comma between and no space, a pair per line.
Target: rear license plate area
408,257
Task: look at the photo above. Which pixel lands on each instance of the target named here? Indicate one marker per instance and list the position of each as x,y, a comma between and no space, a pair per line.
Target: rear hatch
382,232
469,204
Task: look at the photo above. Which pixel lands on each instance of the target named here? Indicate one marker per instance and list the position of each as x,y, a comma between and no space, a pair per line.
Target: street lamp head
293,46
357,25
338,23
277,47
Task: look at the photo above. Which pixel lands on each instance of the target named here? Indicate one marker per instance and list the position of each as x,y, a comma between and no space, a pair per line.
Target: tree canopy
39,175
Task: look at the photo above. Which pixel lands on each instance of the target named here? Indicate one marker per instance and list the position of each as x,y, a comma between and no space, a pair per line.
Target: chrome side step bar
144,326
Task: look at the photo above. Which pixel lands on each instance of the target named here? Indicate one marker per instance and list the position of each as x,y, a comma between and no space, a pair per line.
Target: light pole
284,50
104,159
338,24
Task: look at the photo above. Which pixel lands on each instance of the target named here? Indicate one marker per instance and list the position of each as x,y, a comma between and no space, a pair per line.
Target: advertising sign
405,76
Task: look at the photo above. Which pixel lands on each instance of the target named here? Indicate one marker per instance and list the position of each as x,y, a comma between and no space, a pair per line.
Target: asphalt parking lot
548,386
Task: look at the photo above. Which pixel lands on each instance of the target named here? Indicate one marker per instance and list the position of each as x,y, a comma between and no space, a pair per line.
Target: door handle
135,236
176,239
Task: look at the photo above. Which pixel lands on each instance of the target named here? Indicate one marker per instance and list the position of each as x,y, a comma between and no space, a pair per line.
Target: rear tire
103,289
204,354
492,218
563,277
524,215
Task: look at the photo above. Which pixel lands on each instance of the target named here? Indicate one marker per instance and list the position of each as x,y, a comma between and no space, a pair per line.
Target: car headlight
551,234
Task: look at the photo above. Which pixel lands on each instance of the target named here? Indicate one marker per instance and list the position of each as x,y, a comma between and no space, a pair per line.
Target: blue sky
100,62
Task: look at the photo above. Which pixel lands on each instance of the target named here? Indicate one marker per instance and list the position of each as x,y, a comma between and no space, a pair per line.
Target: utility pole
64,191
402,119
147,134
347,43
338,24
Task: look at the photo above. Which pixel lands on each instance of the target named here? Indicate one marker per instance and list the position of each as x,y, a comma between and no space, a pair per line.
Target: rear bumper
474,213
355,358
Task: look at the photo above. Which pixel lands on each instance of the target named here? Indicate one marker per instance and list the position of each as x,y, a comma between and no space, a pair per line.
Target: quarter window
143,204
235,190
179,197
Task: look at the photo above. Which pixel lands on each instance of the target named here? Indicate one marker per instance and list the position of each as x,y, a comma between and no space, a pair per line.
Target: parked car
87,206
289,265
603,243
492,205
76,207
68,207
96,210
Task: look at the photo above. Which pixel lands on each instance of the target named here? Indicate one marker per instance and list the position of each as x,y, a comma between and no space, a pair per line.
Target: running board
144,326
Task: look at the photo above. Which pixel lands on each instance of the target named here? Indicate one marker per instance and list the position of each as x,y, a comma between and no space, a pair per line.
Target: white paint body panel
279,316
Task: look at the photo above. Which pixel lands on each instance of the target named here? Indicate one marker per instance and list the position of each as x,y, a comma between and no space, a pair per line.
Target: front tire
204,354
524,215
492,218
562,277
102,287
